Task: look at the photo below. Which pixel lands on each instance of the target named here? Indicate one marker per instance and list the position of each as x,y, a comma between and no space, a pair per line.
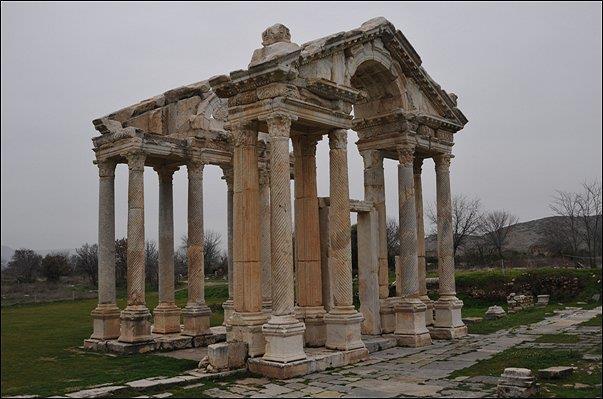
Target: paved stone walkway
415,372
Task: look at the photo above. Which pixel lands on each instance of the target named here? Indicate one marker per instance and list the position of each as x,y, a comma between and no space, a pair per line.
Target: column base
448,323
195,319
343,328
105,322
388,315
284,339
429,311
316,331
247,327
410,323
135,324
166,319
228,307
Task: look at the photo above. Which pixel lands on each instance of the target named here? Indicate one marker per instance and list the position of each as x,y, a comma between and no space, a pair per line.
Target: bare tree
152,264
566,234
466,219
393,240
24,265
54,265
121,262
212,254
496,227
85,261
589,205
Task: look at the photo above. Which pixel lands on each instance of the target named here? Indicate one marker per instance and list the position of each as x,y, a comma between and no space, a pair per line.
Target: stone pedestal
410,323
105,321
343,328
429,317
388,315
247,327
284,339
228,307
448,322
195,320
166,319
135,324
316,331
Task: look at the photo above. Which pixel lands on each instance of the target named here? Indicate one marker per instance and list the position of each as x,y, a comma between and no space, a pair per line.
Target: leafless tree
85,261
466,219
24,265
152,264
589,205
566,234
496,227
121,261
393,240
212,253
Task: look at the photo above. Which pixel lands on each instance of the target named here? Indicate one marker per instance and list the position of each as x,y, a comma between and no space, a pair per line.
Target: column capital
166,172
279,124
106,168
372,158
442,162
417,165
244,134
195,168
338,139
136,160
406,154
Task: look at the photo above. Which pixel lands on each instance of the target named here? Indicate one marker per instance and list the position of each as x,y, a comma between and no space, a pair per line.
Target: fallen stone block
516,383
542,300
556,372
494,312
472,320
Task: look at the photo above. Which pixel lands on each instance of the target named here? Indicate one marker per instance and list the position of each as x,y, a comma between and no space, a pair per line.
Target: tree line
27,266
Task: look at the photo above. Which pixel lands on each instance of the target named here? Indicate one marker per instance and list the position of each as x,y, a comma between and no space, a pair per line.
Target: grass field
40,352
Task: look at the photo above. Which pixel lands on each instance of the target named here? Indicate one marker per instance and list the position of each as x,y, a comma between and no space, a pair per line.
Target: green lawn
558,339
526,316
594,322
536,359
40,352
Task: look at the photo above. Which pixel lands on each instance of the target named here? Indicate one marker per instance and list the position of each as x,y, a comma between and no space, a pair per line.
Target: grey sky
528,77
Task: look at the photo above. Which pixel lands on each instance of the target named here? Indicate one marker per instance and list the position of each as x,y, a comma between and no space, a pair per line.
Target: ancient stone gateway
292,310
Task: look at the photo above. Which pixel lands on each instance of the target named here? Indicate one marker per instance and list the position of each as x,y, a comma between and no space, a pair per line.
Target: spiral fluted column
196,313
410,311
135,319
106,315
342,321
283,332
448,323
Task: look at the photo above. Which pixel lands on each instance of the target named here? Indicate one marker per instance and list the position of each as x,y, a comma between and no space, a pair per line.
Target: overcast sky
528,77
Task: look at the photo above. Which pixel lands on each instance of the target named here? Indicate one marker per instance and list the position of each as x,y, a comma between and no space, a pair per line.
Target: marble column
245,324
410,310
307,241
105,316
448,323
374,191
166,315
228,305
342,321
418,163
196,314
368,271
136,318
265,250
283,332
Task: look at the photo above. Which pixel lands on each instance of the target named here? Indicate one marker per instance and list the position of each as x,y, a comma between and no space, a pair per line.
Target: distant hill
525,237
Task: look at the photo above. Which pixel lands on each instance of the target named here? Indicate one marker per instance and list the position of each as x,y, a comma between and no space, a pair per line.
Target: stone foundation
343,329
157,342
318,359
448,323
410,323
247,327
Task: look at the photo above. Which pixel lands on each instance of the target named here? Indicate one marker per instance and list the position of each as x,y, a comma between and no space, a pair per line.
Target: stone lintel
310,117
